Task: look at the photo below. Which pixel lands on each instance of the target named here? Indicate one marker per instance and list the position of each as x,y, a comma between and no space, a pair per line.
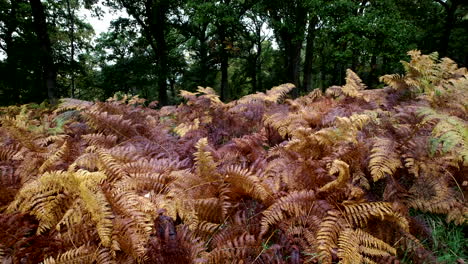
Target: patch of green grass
449,241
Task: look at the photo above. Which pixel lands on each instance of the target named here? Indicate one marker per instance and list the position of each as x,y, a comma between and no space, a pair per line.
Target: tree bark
48,68
309,55
156,14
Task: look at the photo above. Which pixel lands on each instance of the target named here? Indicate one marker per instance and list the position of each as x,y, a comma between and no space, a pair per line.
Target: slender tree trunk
48,67
309,55
258,70
203,53
71,16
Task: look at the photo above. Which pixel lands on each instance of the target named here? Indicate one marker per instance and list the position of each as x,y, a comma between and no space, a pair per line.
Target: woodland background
235,46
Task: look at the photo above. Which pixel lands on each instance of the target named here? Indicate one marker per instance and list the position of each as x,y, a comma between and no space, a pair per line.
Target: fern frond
184,128
294,204
353,85
209,209
101,140
235,250
355,245
248,183
83,254
328,234
67,104
359,214
384,160
205,165
342,168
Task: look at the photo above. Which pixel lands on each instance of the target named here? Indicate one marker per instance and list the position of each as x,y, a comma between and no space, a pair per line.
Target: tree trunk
309,55
156,14
224,65
48,68
449,23
71,15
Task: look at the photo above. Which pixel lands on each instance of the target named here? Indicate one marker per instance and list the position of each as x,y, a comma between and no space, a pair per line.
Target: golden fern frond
353,85
342,168
67,104
396,81
248,183
54,158
384,160
359,214
205,164
355,245
184,128
95,202
328,234
346,129
210,94
277,92
45,196
294,204
83,254
271,96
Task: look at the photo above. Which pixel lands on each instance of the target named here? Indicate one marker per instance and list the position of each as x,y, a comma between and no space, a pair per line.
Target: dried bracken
324,178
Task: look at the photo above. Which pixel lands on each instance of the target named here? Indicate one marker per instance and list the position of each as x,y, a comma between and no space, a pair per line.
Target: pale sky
99,25
102,24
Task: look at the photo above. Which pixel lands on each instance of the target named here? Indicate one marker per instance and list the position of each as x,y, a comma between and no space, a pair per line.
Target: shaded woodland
237,47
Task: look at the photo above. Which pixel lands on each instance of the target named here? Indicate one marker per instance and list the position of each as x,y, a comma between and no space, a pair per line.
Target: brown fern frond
209,209
248,183
384,159
433,194
294,204
238,249
101,140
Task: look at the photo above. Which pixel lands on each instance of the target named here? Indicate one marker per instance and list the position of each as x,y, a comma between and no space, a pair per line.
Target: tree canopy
48,50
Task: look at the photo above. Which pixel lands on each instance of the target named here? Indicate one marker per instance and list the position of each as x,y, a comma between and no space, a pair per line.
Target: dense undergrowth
323,178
